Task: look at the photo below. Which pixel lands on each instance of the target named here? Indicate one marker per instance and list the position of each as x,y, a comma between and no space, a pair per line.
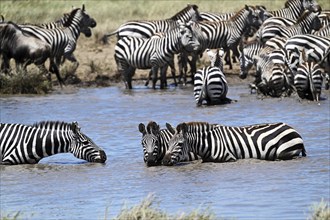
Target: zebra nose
101,158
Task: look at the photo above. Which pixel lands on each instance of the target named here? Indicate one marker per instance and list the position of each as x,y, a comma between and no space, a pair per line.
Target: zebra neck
238,26
47,142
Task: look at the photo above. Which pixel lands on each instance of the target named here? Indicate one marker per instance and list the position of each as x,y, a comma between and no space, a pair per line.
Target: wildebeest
24,49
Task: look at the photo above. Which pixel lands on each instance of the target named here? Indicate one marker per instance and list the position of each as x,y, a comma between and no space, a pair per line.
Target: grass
146,210
24,83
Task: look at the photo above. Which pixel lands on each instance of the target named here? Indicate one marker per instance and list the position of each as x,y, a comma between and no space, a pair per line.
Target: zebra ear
75,127
83,7
246,7
183,127
170,128
142,128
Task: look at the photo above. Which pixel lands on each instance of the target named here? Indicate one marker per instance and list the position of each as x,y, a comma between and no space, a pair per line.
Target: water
64,187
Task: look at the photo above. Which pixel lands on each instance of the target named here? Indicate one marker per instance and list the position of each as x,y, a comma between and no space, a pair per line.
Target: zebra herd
290,49
272,41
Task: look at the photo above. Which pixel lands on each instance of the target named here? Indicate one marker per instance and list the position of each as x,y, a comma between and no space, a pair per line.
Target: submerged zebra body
155,144
210,84
217,143
25,144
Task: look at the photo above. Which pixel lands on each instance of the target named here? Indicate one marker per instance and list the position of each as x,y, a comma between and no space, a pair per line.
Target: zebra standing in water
217,143
155,144
62,40
210,83
23,144
144,53
308,78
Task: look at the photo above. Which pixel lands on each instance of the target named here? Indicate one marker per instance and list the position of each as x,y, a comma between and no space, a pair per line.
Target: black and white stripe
308,22
144,53
210,83
316,47
293,9
147,29
217,143
155,144
24,144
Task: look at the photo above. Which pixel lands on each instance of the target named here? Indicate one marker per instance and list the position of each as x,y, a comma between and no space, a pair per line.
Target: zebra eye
85,142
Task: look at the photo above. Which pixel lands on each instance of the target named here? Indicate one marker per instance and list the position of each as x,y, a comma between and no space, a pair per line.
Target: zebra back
293,9
217,143
21,144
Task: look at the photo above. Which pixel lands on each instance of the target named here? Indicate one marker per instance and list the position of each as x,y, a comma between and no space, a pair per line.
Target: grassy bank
147,210
97,65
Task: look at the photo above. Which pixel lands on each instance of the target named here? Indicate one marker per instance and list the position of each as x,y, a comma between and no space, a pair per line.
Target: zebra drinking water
155,144
217,143
25,144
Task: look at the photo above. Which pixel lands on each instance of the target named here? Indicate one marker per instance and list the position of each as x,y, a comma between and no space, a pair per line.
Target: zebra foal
26,144
155,144
217,143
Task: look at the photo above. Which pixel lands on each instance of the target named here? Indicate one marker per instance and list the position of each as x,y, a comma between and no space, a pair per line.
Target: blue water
64,187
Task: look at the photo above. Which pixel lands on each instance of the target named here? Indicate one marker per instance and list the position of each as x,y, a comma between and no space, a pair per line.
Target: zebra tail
105,37
303,153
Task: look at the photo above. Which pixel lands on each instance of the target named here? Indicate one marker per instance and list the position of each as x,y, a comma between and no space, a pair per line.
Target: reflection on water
64,187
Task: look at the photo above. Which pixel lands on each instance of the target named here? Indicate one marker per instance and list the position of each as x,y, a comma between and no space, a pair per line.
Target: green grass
24,83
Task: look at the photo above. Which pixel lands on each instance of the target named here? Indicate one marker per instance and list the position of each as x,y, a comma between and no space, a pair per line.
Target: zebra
272,77
308,78
147,29
306,23
247,53
62,40
293,9
317,46
61,23
155,144
219,143
143,53
210,83
28,144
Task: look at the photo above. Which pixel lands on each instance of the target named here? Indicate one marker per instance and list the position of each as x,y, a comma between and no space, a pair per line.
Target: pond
64,187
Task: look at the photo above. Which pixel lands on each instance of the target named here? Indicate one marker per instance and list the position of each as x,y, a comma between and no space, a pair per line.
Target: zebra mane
71,16
178,15
60,125
239,13
195,126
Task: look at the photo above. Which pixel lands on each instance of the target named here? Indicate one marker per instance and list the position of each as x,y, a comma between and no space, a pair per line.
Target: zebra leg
172,66
182,63
54,69
148,78
154,70
163,81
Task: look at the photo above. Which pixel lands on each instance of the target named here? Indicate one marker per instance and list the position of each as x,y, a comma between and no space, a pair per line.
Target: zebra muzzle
101,158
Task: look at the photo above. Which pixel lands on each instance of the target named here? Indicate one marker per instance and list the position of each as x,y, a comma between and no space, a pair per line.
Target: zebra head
177,149
311,5
150,143
84,148
190,35
85,21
